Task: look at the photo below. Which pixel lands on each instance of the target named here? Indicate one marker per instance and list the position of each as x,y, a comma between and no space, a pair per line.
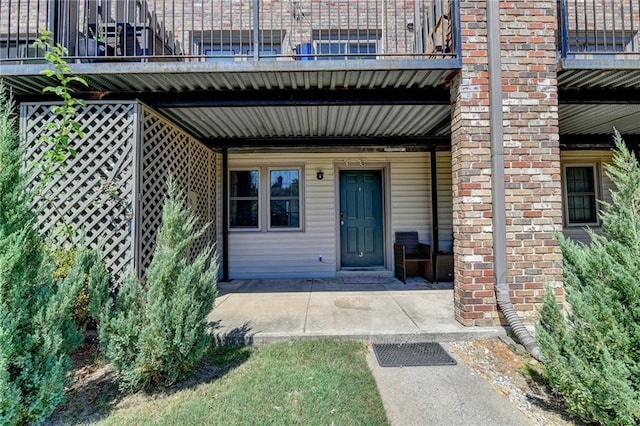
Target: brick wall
532,162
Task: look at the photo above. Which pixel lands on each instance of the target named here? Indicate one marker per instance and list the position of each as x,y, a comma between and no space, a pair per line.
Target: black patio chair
411,257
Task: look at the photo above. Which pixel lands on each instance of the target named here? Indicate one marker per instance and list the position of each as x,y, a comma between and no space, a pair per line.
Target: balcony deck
180,45
180,77
599,44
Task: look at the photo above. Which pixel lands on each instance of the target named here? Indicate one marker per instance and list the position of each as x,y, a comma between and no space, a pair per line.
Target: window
270,196
231,53
599,41
244,199
354,50
284,202
237,45
580,190
21,48
346,44
220,54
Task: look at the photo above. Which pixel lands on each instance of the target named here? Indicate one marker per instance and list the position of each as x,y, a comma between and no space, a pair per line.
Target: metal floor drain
411,354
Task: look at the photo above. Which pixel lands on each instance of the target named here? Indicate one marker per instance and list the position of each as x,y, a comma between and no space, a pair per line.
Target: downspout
497,182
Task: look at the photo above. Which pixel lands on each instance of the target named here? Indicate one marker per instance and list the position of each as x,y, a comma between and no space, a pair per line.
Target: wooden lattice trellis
95,196
168,150
201,173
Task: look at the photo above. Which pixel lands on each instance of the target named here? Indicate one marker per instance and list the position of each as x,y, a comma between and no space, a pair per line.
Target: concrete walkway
378,310
441,395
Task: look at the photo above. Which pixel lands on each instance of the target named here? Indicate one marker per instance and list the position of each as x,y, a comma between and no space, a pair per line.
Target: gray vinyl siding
603,183
445,200
411,195
294,254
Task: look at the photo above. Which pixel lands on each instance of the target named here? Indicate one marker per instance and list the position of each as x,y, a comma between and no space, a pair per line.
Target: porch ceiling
312,121
610,75
599,119
391,120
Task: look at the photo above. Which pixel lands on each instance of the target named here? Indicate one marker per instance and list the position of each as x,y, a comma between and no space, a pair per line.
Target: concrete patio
374,309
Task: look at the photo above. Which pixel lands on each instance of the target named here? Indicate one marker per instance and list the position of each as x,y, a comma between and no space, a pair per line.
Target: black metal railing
599,28
231,30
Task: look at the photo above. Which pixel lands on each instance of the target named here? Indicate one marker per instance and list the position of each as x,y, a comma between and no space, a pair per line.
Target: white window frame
238,43
345,43
264,198
239,53
597,182
345,38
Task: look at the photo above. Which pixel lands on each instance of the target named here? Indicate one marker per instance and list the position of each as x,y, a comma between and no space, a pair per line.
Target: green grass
302,383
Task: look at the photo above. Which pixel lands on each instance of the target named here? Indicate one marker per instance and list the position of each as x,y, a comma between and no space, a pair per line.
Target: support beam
591,142
434,211
225,215
293,97
598,95
419,144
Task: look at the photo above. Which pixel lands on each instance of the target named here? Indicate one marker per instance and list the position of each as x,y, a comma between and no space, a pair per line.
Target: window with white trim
265,199
346,44
232,53
580,185
237,45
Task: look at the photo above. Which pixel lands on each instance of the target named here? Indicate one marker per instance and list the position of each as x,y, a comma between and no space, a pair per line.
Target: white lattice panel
94,195
168,150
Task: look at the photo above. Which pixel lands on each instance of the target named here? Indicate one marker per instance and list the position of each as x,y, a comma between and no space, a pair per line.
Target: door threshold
364,272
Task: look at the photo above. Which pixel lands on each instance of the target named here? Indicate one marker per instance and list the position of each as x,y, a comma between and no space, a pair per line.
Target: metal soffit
257,122
313,121
134,78
601,78
594,119
348,120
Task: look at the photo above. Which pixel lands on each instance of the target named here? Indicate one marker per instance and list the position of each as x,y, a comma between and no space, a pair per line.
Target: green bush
592,356
95,275
37,333
154,333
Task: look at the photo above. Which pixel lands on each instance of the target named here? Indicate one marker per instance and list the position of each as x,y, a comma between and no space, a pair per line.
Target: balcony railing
596,29
231,30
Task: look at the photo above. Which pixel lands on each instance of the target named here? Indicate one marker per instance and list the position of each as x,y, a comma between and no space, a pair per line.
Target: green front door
361,231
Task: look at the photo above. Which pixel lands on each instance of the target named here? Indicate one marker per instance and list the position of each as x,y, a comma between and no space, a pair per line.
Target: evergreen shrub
37,332
592,351
154,333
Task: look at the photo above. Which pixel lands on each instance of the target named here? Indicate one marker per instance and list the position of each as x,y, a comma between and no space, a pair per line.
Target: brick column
532,160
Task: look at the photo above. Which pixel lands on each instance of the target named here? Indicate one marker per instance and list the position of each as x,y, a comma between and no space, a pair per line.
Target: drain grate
411,354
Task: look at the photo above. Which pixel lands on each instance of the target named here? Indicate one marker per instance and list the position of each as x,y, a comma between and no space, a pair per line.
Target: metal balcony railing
231,30
599,28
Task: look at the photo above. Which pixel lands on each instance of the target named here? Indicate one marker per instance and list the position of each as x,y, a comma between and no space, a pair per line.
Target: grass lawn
306,383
